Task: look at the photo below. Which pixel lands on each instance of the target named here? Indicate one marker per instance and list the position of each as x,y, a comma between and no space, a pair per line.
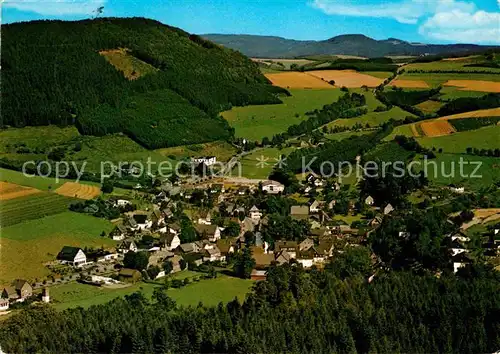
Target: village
183,226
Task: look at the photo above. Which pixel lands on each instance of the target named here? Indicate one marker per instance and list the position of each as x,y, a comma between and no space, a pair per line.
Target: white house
170,241
315,207
369,200
458,190
122,202
73,256
207,160
388,209
272,187
255,213
4,304
205,218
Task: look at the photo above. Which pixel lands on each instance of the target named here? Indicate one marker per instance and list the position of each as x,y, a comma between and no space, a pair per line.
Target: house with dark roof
210,232
72,255
129,275
19,290
126,246
170,241
119,232
290,247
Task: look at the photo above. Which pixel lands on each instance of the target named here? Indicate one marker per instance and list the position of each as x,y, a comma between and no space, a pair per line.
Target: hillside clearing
131,67
347,78
483,138
297,80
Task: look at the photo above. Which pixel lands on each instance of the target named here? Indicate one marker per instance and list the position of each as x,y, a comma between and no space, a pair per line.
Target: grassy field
208,291
373,119
380,74
429,106
256,122
449,93
260,163
25,247
483,138
449,65
445,169
32,207
399,130
435,80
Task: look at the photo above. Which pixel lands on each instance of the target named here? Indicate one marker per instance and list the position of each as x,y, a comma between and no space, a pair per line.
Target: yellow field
409,83
11,191
297,80
484,213
437,128
475,85
347,78
414,130
77,190
429,106
492,112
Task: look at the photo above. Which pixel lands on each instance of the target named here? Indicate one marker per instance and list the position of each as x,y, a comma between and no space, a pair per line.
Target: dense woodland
467,104
293,311
56,66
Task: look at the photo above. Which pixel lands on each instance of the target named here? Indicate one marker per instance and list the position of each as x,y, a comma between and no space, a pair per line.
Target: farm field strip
347,78
492,112
77,190
474,85
11,191
298,80
482,138
437,128
31,207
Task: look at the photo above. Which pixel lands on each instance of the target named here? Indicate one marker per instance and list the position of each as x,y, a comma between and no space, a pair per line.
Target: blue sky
431,21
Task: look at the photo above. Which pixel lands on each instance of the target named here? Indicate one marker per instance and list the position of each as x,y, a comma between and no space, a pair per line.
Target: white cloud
56,7
460,26
405,11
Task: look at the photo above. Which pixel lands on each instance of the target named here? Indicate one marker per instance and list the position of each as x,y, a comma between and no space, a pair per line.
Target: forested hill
351,44
156,83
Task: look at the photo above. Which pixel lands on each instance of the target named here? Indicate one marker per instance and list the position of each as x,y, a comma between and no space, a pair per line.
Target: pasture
347,78
27,246
259,121
11,191
78,190
457,64
208,291
298,80
373,119
483,138
260,163
34,206
346,134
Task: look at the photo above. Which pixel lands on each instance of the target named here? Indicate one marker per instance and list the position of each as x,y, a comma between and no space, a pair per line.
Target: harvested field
474,85
437,128
492,112
77,190
297,80
409,83
12,191
347,78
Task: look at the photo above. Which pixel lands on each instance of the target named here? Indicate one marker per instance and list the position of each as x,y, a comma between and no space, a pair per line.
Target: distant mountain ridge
347,44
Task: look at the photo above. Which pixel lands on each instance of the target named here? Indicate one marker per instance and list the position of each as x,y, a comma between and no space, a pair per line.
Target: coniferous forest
332,311
58,68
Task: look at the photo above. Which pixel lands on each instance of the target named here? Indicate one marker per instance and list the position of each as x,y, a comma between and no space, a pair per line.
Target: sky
427,21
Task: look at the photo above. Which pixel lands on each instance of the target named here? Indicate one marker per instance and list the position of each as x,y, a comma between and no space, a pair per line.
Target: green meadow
260,163
258,121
